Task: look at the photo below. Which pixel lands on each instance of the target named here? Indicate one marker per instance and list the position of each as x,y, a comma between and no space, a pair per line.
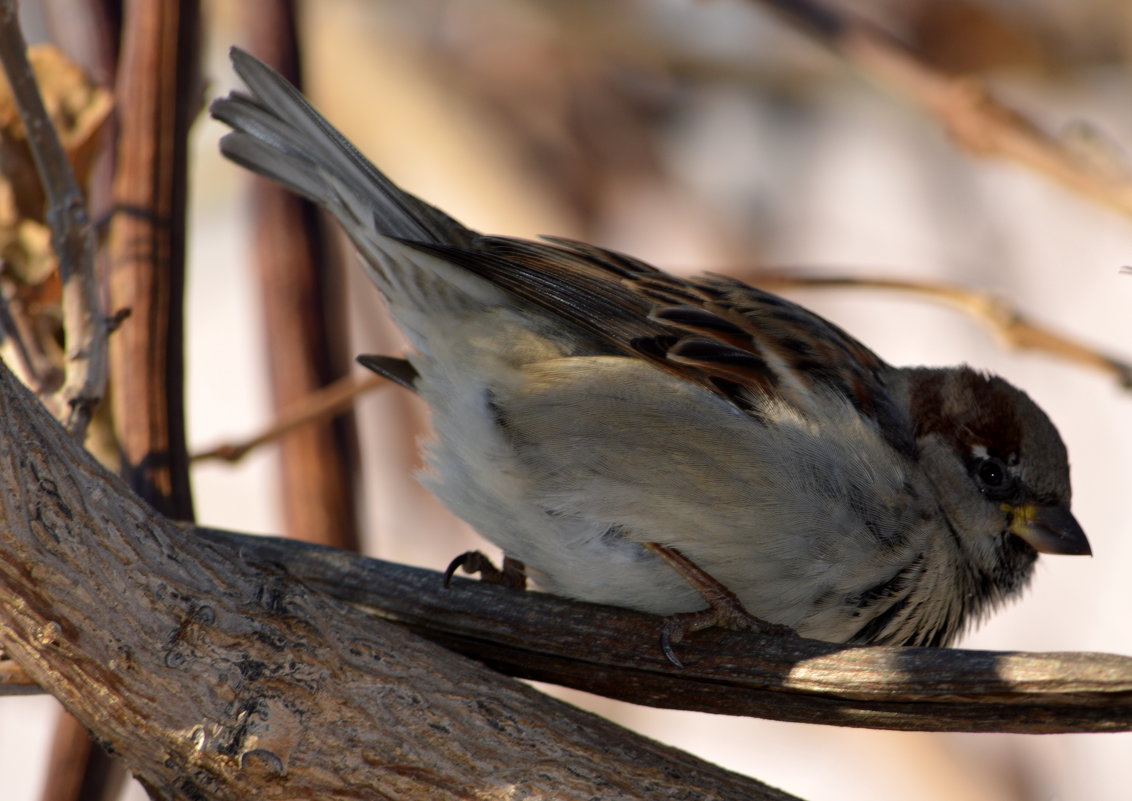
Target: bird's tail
278,134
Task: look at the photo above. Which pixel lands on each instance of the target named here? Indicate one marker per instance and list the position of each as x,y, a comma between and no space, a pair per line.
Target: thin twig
978,121
1010,325
16,343
71,234
331,400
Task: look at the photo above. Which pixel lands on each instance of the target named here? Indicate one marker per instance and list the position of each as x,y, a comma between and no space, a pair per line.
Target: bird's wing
747,346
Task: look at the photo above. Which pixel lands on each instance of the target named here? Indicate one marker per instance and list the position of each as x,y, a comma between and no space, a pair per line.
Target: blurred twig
71,234
25,361
1006,322
1010,325
331,400
978,121
14,680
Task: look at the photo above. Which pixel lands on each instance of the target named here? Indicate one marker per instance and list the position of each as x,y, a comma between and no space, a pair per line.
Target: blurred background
708,136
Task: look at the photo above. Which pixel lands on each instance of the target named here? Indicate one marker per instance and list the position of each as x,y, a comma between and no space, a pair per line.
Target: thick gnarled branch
214,677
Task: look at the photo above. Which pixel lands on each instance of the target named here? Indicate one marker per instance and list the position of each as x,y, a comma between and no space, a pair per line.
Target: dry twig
978,121
1010,325
71,234
331,400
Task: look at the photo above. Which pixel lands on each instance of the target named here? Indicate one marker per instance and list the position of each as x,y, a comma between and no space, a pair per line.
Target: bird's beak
1050,529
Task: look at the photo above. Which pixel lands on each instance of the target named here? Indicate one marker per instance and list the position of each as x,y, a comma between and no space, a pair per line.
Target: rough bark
215,678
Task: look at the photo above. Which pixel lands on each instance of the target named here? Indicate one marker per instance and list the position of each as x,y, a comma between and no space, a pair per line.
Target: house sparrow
661,443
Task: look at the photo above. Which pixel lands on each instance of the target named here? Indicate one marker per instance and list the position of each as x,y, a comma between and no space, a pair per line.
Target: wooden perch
212,677
615,652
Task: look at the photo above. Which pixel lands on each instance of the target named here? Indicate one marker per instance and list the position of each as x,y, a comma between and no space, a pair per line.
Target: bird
695,448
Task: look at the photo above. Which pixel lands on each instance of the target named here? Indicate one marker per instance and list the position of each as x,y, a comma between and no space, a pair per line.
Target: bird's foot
513,573
725,615
725,610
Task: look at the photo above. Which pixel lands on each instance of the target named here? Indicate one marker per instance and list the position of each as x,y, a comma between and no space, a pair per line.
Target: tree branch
214,677
158,95
615,652
72,237
1010,325
979,122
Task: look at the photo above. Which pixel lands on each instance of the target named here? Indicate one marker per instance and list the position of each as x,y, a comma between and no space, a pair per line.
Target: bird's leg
513,574
724,607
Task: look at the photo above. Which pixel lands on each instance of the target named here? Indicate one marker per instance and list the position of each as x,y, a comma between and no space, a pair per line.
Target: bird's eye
991,474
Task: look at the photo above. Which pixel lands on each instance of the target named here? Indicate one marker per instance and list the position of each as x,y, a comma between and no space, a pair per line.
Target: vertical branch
71,235
158,94
289,243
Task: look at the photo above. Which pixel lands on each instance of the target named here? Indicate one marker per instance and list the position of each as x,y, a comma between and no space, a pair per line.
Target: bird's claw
731,616
512,574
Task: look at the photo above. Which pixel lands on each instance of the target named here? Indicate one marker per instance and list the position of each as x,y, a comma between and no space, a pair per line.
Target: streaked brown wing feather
741,343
